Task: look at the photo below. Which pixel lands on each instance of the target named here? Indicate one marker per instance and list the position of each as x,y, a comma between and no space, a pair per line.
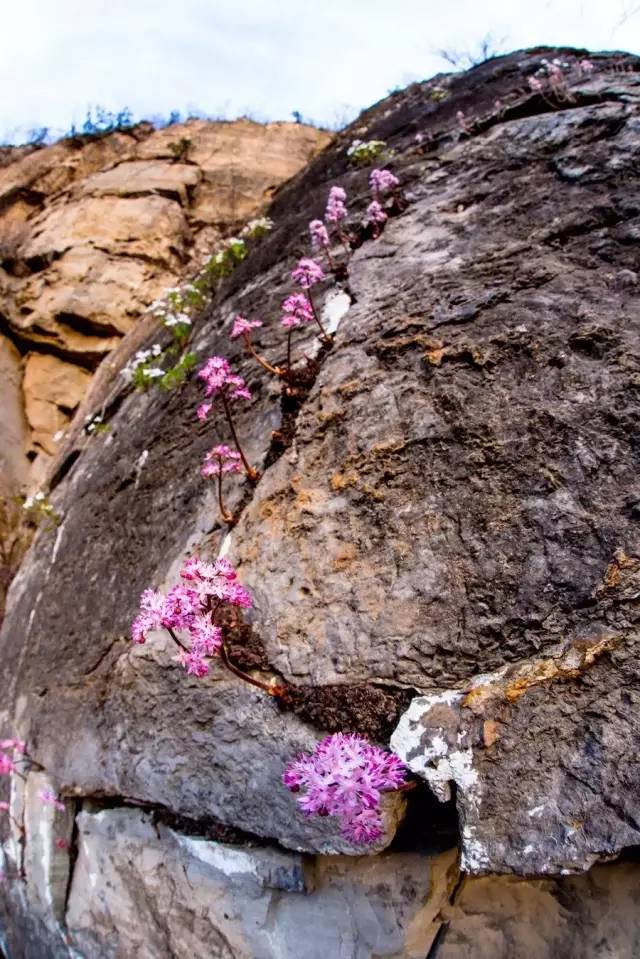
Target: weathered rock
453,508
144,889
582,916
13,426
52,391
505,738
92,232
139,891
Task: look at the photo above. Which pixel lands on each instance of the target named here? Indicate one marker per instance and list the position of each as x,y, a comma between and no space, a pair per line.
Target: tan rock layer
92,232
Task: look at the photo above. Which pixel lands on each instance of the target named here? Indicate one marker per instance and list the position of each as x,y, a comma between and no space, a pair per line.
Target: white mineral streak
473,856
434,759
428,753
335,309
225,547
56,546
142,459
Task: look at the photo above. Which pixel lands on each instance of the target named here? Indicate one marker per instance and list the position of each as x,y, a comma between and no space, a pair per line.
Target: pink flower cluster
307,273
7,764
296,310
242,327
221,459
345,776
190,609
319,235
382,182
49,798
375,213
336,210
219,380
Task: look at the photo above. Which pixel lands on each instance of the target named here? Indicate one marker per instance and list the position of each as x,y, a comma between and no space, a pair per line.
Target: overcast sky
263,57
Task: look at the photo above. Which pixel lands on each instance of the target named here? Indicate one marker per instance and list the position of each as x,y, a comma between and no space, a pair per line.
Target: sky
263,58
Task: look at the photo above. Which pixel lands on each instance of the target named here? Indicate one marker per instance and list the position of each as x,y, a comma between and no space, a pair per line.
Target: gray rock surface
149,893
453,516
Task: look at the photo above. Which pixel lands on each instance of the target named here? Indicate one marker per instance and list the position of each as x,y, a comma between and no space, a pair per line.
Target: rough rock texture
452,515
92,230
13,426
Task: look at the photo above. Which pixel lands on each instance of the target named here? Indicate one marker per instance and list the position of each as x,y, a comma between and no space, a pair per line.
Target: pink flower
382,181
190,609
7,765
375,213
181,605
336,209
586,66
49,798
203,410
218,378
534,84
193,663
18,745
555,73
242,327
193,568
4,807
345,776
463,123
297,310
150,615
60,843
319,236
206,639
221,459
307,273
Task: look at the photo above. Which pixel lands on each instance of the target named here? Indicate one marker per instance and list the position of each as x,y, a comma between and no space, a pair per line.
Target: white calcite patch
442,756
335,309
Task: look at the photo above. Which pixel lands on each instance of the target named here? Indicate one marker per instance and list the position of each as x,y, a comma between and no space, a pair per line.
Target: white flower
154,371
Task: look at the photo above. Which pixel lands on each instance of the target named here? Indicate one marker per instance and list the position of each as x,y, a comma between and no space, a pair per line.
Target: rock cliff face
443,552
92,230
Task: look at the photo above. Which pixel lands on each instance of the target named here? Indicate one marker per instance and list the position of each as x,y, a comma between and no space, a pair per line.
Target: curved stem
271,690
225,516
289,332
325,335
263,363
332,265
251,473
346,247
177,641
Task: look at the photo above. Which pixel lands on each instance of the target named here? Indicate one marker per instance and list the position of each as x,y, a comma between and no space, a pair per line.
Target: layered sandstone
92,230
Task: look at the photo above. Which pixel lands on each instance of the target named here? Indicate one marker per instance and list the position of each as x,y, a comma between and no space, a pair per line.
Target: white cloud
265,56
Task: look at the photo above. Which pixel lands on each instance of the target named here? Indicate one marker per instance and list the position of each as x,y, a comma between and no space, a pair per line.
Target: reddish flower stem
345,245
325,335
263,363
177,641
289,332
252,474
225,516
271,690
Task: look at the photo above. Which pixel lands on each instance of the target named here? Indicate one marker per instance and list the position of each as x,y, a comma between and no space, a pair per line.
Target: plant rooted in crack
218,461
220,381
345,776
191,613
242,327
